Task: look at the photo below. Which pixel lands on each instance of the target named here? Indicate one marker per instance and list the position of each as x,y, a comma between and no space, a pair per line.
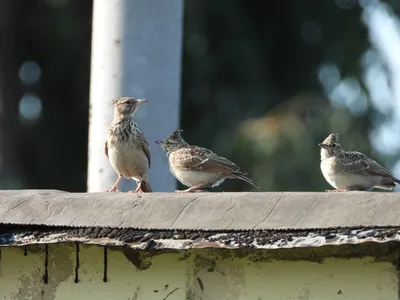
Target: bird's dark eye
334,146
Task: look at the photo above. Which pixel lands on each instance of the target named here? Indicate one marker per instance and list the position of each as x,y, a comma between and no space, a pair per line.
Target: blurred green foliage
250,89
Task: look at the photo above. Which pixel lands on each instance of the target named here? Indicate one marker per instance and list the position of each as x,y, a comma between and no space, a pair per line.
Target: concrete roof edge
200,211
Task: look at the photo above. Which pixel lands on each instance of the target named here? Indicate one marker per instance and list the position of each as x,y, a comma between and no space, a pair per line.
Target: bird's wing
143,144
106,148
202,159
146,149
355,162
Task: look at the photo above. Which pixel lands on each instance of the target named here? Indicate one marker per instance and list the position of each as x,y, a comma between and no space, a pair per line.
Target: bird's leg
138,189
335,191
114,187
193,189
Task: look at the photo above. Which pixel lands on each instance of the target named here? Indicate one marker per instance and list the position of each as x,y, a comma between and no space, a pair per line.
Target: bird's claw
189,191
335,191
112,191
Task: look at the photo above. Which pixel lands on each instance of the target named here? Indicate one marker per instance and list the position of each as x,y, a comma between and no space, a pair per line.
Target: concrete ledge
207,211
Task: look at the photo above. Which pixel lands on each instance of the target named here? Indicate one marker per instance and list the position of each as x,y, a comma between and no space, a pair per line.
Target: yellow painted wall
193,275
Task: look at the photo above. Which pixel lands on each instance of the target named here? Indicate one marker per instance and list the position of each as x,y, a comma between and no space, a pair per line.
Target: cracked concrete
213,211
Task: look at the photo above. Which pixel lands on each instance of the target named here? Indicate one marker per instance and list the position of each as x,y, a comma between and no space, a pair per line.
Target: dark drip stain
46,265
25,251
77,264
200,284
105,279
170,293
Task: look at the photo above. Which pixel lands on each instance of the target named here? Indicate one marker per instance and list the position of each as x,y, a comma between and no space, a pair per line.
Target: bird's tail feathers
386,186
388,183
245,178
146,188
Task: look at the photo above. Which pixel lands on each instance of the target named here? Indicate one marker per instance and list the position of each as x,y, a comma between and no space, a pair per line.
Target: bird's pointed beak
141,101
323,146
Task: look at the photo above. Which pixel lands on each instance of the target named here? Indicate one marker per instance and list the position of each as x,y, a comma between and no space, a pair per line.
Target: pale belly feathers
128,160
341,179
191,178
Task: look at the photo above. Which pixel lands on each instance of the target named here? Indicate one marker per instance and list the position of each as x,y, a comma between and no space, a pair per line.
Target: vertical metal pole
136,52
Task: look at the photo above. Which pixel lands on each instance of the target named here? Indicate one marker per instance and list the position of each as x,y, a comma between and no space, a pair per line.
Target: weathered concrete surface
200,210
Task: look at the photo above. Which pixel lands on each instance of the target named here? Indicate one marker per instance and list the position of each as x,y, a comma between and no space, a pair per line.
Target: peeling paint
141,239
24,275
201,274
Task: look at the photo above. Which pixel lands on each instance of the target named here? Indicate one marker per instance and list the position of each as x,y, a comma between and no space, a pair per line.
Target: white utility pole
136,52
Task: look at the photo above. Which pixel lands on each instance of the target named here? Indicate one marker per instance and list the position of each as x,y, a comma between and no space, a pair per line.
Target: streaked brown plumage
351,170
126,146
198,167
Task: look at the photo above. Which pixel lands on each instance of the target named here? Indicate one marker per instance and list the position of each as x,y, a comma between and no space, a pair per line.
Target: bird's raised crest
331,139
124,99
176,134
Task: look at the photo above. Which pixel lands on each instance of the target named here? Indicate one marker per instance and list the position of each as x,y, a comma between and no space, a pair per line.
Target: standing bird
198,167
351,170
126,146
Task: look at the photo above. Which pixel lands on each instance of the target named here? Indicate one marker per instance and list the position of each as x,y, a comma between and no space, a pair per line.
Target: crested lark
198,167
350,170
126,146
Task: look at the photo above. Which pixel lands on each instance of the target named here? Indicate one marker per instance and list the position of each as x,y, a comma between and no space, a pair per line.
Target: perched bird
198,167
350,170
126,146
